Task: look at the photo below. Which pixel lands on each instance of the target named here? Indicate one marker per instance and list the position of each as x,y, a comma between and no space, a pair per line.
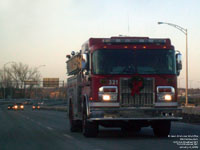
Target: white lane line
49,128
25,116
39,123
68,136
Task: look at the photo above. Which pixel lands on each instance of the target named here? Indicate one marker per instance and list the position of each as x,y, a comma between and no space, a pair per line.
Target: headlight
165,97
108,93
106,97
38,107
33,107
22,106
15,106
165,93
168,97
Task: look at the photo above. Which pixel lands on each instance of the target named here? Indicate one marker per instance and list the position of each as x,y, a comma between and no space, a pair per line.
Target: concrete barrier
56,108
191,110
191,114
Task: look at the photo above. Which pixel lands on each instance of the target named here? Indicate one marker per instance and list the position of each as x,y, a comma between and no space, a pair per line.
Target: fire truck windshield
108,61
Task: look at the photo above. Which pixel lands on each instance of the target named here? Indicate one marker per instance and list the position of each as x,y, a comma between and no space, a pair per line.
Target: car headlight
165,93
106,97
33,107
165,97
22,106
108,93
168,97
15,106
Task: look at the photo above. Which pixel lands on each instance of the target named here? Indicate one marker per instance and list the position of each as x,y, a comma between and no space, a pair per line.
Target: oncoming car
10,106
34,107
18,106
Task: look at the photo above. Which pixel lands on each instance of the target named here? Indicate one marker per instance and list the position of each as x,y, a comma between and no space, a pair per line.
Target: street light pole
184,31
186,55
4,76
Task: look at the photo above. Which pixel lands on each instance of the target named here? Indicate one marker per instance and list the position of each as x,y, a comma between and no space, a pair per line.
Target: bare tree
5,79
14,77
1,78
20,73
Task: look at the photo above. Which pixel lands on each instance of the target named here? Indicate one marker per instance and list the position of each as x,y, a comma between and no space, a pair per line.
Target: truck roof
119,42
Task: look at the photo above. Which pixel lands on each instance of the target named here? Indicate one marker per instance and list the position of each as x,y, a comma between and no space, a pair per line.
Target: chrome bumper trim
149,119
103,104
166,104
135,114
135,109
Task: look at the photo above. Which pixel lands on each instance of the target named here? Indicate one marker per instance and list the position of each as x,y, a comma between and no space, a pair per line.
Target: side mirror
178,62
85,64
87,73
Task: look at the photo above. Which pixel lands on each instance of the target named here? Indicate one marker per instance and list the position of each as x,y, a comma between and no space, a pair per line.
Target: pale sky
42,32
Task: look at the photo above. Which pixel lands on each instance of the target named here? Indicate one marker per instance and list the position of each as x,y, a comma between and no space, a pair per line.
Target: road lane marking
25,116
49,128
39,123
68,136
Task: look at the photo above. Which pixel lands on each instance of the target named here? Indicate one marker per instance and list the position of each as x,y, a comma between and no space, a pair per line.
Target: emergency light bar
134,41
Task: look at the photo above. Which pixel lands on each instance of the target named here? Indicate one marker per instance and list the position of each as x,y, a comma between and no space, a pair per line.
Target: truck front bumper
133,113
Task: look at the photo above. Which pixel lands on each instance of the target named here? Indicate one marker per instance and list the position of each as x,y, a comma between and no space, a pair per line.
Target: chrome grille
144,99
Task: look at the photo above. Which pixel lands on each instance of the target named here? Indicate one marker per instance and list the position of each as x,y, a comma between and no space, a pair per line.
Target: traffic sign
50,82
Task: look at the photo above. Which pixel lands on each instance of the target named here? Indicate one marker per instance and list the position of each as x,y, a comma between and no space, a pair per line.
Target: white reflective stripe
166,104
100,104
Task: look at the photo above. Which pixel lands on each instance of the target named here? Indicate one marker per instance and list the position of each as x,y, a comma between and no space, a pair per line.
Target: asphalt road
49,130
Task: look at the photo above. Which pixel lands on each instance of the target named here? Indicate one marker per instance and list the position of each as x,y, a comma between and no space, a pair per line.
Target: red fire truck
125,82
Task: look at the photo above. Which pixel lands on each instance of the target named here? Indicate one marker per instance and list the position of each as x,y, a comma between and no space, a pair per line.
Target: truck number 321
113,82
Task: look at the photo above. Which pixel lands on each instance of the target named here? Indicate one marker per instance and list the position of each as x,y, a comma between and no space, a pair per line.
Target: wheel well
69,104
70,101
84,105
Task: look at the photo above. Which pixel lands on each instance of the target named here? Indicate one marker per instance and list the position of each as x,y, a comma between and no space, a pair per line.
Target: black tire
161,128
90,129
75,125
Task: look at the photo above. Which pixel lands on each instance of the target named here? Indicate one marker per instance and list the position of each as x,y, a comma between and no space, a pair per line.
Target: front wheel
90,129
162,128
